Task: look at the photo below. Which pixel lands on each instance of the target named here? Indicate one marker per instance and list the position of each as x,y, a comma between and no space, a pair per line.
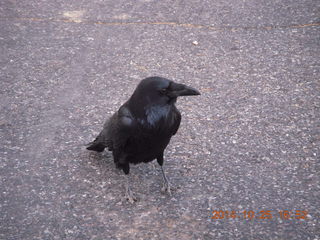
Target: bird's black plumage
143,126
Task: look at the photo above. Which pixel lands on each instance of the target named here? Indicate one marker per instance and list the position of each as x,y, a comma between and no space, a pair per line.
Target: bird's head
160,91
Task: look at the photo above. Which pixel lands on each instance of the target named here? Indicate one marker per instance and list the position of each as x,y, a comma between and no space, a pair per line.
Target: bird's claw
129,195
166,188
131,198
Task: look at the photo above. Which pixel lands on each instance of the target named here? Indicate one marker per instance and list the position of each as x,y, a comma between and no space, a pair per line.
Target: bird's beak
178,89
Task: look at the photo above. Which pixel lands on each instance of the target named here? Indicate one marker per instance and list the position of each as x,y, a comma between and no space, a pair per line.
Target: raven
143,126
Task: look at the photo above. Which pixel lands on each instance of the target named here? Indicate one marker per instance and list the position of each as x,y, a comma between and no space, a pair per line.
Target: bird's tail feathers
95,146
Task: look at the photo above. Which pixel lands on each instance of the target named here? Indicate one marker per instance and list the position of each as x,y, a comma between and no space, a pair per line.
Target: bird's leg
166,185
126,169
129,195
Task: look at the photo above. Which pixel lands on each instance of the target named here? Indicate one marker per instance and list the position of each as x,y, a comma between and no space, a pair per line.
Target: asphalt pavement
245,161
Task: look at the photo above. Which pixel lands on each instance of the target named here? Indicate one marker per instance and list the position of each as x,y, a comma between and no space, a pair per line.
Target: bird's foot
130,197
167,188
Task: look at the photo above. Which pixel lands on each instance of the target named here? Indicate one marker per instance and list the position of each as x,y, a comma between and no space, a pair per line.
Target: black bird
143,126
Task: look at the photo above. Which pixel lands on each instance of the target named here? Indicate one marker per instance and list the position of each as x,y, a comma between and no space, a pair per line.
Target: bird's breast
149,140
153,132
146,147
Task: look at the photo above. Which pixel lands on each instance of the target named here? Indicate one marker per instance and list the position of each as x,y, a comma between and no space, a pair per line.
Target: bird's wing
115,133
120,129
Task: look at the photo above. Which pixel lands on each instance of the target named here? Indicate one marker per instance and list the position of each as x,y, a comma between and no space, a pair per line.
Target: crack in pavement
177,24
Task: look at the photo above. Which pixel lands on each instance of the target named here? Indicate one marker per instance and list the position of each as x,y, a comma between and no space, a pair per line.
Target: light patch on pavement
122,16
74,15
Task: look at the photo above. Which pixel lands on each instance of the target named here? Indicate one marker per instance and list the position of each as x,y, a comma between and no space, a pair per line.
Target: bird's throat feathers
156,113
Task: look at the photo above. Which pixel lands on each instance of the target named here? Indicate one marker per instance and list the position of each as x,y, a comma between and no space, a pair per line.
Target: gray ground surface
249,142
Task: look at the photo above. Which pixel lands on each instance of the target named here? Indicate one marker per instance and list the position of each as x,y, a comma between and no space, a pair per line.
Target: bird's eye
163,91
